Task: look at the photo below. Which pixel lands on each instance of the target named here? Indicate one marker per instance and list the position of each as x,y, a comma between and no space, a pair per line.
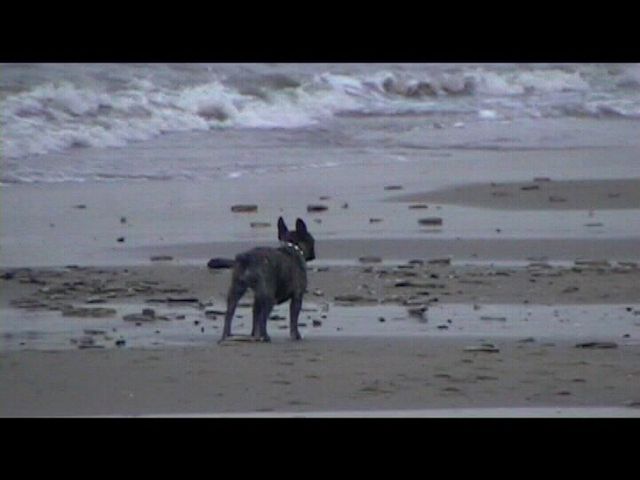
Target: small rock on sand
440,261
161,258
597,345
316,208
494,319
485,347
259,224
417,312
70,311
244,208
138,317
430,221
370,259
351,298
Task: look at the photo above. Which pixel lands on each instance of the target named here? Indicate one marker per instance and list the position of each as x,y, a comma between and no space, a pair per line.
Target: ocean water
155,122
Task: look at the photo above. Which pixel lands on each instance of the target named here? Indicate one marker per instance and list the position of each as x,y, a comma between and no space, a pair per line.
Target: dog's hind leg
236,291
294,311
264,305
256,320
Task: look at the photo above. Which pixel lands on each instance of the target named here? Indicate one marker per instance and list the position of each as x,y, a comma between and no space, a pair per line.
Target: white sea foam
114,106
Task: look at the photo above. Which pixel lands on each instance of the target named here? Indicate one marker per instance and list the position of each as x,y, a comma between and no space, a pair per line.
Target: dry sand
388,335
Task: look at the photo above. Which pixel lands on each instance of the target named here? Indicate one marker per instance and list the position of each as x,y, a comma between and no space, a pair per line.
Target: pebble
417,312
430,221
440,261
70,311
317,208
370,259
182,300
485,347
527,340
95,300
497,319
244,208
89,331
597,345
570,290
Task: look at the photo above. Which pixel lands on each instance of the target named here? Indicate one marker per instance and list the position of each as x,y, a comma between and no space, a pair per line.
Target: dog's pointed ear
282,229
301,227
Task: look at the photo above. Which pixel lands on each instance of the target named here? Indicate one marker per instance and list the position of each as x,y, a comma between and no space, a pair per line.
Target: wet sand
541,193
390,333
326,374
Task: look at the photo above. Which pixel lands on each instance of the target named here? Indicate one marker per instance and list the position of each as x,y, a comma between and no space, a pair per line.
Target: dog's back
277,272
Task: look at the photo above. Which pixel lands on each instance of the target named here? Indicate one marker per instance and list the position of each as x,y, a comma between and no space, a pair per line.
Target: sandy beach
389,325
470,262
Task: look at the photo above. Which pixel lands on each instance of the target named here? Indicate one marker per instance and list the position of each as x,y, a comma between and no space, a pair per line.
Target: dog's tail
221,263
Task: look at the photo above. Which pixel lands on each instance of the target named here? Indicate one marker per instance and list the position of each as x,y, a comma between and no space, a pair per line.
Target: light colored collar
295,247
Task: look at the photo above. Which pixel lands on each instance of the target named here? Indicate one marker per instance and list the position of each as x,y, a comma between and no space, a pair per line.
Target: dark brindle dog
275,275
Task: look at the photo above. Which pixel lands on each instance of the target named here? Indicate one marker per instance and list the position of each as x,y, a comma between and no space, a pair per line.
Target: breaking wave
62,113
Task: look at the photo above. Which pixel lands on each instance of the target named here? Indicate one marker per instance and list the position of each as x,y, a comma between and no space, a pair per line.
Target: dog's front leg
294,311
